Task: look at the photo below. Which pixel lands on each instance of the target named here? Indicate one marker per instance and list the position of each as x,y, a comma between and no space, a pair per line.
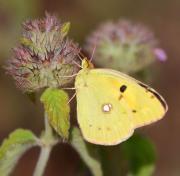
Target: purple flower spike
45,57
160,54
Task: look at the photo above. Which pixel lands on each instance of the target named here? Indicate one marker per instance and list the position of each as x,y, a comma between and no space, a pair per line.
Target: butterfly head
86,64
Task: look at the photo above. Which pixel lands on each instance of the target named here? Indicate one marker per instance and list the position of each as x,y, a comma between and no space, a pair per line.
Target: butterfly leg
69,88
77,64
72,98
69,76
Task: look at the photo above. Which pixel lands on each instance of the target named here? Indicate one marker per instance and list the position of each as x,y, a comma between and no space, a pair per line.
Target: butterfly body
110,105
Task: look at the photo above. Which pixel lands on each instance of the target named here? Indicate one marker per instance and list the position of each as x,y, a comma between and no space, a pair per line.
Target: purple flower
160,54
123,45
45,57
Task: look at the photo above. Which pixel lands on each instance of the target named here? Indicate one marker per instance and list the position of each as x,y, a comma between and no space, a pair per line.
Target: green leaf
87,152
57,108
13,148
65,28
140,153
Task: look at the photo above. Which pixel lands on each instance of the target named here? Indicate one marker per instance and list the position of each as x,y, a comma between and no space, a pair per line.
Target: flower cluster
123,45
45,56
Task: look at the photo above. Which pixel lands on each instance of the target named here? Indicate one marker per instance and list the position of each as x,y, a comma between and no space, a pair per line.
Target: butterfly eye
123,88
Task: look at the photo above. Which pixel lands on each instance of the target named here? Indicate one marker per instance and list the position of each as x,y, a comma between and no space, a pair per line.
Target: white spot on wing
106,107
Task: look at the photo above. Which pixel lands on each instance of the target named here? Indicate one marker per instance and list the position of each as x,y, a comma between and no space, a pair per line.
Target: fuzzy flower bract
45,56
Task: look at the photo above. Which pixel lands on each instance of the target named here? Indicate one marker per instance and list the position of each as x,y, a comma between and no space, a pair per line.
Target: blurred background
162,16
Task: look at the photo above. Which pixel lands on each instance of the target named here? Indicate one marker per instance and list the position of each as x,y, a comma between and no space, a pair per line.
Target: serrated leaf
87,152
13,148
140,153
57,108
65,28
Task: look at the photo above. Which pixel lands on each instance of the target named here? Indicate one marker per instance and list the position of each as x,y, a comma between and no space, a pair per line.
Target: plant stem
47,143
48,130
42,161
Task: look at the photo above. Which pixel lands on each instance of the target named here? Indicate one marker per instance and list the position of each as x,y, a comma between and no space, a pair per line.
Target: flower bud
124,46
45,57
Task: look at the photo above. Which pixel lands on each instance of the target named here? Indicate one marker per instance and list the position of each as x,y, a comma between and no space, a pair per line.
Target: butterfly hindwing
102,117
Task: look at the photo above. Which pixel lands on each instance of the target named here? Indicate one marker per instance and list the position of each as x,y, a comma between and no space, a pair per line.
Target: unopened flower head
45,57
124,46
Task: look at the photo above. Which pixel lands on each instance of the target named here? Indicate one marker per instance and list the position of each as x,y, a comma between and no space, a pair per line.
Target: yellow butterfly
110,105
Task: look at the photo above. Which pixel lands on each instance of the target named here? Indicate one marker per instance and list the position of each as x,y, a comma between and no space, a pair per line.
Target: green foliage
65,28
56,106
27,42
13,148
111,159
87,152
140,153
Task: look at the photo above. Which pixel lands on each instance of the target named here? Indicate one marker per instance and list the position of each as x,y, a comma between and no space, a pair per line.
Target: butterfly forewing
145,103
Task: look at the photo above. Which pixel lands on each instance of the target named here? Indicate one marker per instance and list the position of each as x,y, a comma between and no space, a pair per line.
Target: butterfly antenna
79,56
93,52
69,76
82,55
78,52
77,64
72,98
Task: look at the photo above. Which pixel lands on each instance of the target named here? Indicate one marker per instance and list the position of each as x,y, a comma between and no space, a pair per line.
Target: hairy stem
42,161
47,143
48,130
